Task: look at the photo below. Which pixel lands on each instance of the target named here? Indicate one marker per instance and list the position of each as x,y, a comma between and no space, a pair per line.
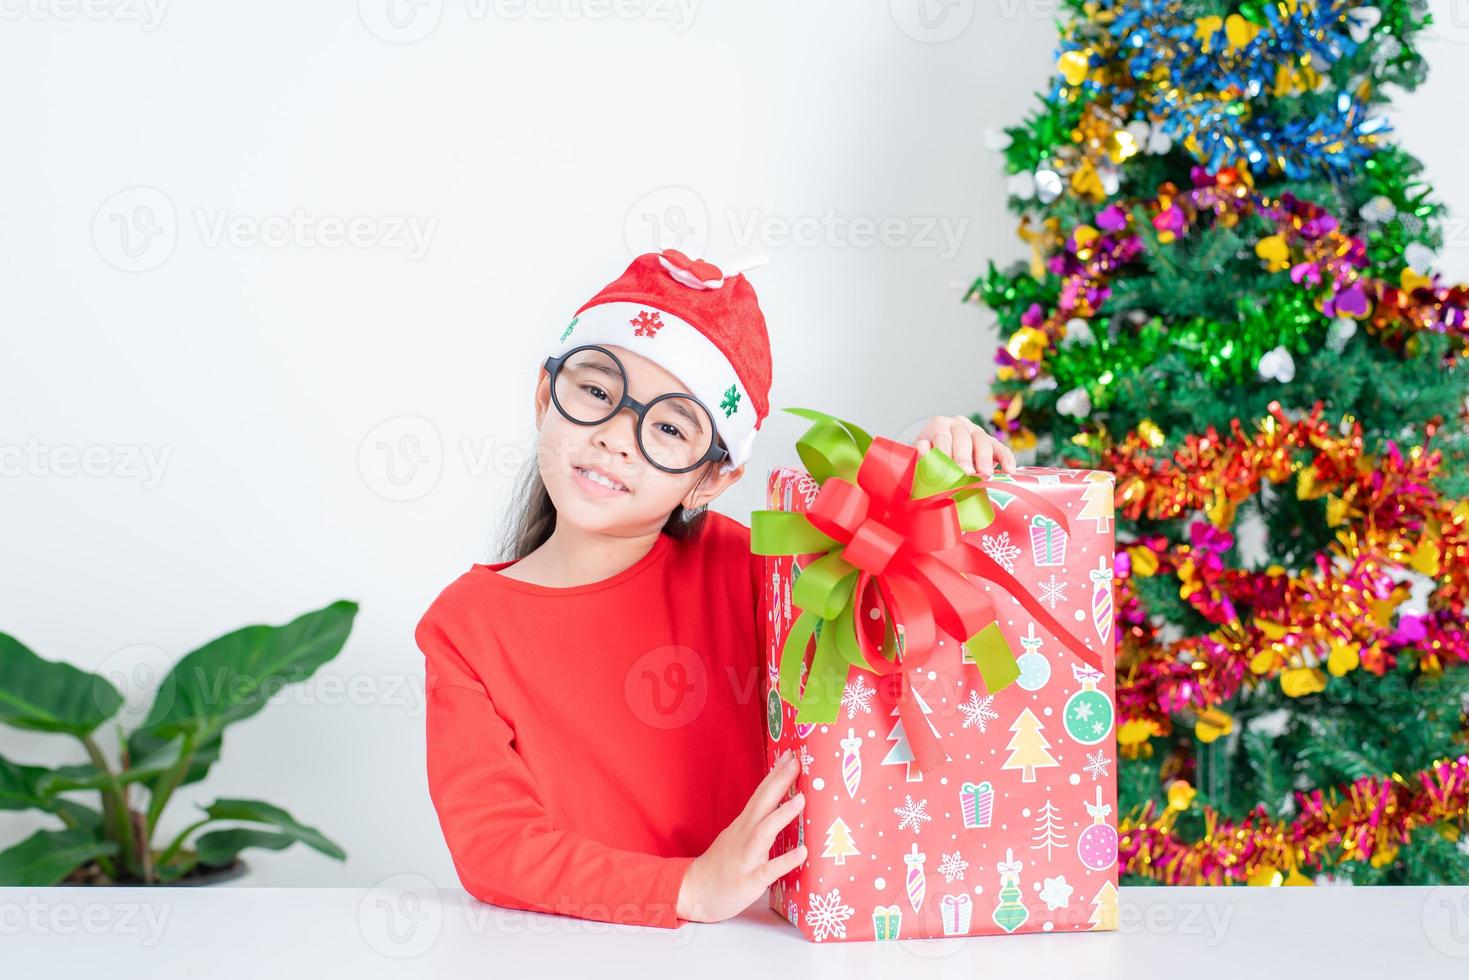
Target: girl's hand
965,443
737,867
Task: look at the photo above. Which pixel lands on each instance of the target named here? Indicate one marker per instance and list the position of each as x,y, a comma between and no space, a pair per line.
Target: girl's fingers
1007,457
985,456
943,439
963,443
767,828
781,865
772,788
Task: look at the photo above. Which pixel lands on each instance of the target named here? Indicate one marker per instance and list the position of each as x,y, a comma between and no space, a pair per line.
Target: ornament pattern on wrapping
851,762
1010,911
1088,712
1035,669
916,878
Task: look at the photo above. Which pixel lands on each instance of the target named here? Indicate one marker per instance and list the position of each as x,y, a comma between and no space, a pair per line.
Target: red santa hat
699,323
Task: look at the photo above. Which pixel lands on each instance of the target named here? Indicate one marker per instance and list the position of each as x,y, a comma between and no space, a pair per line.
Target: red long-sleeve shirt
585,744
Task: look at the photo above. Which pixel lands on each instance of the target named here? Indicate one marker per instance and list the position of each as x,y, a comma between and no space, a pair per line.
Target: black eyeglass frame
640,409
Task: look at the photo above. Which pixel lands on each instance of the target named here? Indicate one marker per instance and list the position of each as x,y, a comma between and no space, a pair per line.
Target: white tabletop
404,928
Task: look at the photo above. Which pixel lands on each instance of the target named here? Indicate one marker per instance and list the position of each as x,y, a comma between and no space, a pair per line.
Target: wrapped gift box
1016,832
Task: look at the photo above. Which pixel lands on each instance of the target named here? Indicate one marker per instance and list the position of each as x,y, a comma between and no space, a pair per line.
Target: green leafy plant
224,681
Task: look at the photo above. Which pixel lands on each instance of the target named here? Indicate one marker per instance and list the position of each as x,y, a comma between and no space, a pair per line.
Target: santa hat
698,323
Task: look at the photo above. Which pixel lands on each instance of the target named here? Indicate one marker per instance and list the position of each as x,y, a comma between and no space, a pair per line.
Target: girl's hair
532,516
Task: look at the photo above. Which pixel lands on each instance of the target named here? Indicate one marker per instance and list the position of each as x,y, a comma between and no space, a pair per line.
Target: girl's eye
670,430
595,392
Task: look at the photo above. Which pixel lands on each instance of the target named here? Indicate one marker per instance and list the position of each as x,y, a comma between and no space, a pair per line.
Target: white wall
531,152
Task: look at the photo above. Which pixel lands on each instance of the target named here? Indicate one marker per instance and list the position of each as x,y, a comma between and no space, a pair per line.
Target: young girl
594,705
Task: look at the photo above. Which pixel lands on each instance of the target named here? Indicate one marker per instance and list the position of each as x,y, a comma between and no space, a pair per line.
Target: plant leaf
234,676
51,696
219,847
258,811
19,791
142,744
88,776
48,856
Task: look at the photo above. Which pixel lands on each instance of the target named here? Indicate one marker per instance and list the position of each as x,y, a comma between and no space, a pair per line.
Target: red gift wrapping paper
1017,831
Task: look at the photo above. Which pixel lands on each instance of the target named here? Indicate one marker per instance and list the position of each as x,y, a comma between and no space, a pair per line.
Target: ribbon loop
897,559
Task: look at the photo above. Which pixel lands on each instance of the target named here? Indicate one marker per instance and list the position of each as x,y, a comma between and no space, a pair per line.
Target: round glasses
675,431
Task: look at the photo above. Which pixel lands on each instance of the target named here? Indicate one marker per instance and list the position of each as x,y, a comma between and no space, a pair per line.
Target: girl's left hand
965,443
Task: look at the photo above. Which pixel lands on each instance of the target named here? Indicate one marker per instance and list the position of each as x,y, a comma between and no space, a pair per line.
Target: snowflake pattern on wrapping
978,711
1096,764
806,760
912,814
1053,592
857,696
827,916
952,866
1056,893
1000,549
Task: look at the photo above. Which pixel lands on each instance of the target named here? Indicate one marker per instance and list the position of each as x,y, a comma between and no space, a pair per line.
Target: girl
594,702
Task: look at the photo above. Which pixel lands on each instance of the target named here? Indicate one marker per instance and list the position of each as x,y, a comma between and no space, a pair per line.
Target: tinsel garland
1334,617
1369,819
1201,80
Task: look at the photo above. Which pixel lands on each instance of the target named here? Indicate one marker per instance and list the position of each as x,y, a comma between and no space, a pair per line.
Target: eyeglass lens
676,432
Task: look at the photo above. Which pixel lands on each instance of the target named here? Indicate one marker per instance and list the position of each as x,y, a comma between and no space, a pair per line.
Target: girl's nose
618,434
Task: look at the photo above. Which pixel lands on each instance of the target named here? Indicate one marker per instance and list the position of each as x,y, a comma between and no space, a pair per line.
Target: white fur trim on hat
682,350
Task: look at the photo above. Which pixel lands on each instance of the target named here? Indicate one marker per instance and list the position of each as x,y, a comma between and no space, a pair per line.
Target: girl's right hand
737,867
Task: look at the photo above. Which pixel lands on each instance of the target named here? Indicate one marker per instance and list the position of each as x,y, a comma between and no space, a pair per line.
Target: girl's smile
597,483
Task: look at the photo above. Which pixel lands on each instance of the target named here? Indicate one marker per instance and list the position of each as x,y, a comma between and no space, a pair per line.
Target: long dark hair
532,516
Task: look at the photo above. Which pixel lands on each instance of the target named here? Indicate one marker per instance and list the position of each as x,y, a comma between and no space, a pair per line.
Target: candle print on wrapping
915,854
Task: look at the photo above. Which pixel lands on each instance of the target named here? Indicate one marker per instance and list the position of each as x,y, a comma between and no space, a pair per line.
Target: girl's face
646,495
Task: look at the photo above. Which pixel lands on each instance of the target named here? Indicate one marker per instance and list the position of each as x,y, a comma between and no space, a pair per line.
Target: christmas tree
1027,747
839,844
1231,304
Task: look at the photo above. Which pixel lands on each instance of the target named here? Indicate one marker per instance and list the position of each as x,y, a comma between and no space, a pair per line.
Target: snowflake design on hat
648,323
731,402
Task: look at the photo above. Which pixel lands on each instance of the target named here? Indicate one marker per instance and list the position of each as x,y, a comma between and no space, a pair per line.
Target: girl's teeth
599,478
